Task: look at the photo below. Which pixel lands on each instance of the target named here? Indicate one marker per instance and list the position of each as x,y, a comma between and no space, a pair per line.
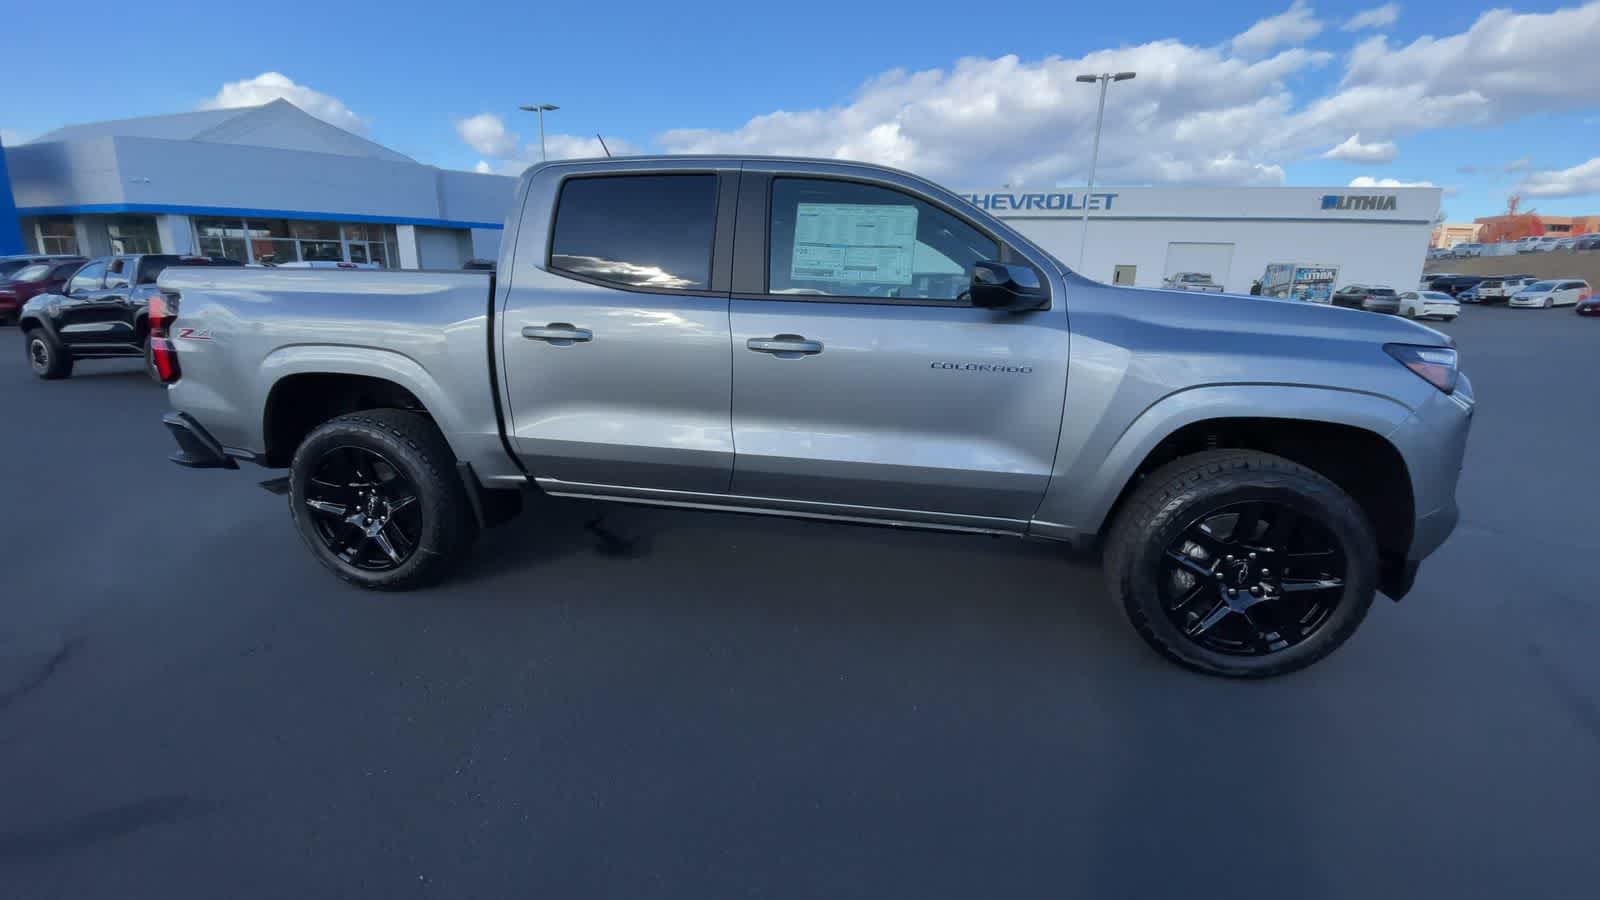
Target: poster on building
1299,281
852,242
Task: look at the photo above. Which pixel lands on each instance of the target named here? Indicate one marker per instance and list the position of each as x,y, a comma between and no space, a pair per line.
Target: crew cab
102,311
843,342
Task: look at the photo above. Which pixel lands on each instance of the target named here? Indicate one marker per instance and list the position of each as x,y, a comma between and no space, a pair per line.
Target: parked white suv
1460,250
1555,292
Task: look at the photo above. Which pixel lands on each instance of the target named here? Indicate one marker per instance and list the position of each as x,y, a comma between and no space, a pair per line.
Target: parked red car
42,275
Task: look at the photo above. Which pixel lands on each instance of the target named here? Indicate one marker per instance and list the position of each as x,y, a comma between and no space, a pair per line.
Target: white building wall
1367,252
1382,240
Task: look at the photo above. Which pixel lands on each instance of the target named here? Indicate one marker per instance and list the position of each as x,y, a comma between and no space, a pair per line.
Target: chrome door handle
787,345
557,333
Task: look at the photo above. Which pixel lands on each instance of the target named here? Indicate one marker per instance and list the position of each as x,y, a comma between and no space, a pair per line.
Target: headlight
1435,365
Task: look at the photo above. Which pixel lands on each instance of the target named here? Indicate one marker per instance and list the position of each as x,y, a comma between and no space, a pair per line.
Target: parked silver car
844,342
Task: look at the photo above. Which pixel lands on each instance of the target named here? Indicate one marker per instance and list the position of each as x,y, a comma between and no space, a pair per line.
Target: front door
76,322
864,381
614,335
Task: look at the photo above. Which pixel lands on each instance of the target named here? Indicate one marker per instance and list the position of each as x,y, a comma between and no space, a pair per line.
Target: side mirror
1007,287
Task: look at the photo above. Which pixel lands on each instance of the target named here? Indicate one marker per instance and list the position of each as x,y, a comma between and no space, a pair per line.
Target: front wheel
1548,303
1242,564
1411,312
46,356
376,498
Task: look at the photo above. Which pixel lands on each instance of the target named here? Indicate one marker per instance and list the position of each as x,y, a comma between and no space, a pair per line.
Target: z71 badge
195,334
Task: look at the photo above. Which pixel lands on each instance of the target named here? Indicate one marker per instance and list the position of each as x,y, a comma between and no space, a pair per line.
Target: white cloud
507,154
1520,164
1352,150
1215,114
1193,115
1377,17
269,86
1367,181
1581,179
1293,26
487,134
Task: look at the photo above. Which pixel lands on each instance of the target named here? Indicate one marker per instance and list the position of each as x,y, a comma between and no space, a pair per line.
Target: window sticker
852,242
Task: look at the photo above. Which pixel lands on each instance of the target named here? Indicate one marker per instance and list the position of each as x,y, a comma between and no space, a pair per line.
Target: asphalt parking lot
695,705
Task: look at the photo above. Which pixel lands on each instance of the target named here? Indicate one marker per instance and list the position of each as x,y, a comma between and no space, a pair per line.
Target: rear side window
637,231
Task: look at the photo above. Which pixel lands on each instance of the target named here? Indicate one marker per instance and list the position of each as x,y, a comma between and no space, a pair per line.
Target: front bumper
197,449
1526,302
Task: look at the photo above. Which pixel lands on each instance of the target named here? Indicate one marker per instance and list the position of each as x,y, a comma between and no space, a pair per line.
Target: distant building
267,183
1450,234
1515,226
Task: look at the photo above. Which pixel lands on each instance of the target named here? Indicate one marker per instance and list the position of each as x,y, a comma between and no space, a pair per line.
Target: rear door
614,329
864,381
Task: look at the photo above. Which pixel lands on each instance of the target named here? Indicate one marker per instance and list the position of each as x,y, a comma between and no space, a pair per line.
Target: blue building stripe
236,212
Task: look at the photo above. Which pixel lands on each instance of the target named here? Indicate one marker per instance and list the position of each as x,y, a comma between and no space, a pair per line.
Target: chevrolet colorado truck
841,342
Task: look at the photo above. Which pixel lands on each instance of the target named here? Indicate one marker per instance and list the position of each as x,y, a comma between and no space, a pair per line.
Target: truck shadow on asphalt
713,563
71,835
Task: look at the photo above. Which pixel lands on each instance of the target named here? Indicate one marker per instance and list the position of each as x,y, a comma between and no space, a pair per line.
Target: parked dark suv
39,275
103,311
1370,297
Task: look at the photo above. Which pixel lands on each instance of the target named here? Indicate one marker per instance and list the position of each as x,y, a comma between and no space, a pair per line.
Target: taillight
163,355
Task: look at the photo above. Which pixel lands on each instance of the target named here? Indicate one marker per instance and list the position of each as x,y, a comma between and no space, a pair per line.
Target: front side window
87,279
638,231
847,239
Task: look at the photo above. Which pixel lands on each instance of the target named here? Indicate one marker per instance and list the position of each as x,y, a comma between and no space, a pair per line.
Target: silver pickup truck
842,342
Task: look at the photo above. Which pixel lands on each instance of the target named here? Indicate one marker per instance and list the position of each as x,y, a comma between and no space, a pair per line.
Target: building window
56,235
278,241
133,234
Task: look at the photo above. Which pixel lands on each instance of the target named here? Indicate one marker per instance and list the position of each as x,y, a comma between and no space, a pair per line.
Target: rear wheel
1242,564
376,498
46,356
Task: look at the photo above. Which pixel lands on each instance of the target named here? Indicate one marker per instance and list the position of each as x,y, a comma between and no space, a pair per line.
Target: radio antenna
603,144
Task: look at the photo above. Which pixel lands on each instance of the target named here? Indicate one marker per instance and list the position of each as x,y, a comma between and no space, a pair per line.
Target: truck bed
241,333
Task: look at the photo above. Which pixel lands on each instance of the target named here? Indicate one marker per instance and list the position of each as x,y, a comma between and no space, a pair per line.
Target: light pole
540,109
1105,80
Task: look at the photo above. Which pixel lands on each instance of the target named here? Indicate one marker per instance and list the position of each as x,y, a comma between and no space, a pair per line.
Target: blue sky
1476,99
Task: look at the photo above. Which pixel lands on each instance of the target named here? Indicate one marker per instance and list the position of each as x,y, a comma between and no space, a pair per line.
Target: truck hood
1266,315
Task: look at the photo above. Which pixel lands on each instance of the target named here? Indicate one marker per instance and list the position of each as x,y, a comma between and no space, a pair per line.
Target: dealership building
1141,235
273,184
267,183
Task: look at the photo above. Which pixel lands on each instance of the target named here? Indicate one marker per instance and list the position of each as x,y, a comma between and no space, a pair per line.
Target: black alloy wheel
1253,578
38,354
365,509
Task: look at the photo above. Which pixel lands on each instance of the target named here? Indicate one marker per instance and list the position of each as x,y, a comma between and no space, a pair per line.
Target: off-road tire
1172,497
57,359
413,444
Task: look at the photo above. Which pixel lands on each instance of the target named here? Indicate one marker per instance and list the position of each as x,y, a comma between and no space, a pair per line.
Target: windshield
1540,286
35,272
9,267
1435,295
1195,277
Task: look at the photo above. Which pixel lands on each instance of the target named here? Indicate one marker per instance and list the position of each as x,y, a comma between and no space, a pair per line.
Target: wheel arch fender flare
370,362
1081,494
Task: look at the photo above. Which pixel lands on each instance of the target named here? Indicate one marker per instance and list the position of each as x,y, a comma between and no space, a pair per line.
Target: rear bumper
197,449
